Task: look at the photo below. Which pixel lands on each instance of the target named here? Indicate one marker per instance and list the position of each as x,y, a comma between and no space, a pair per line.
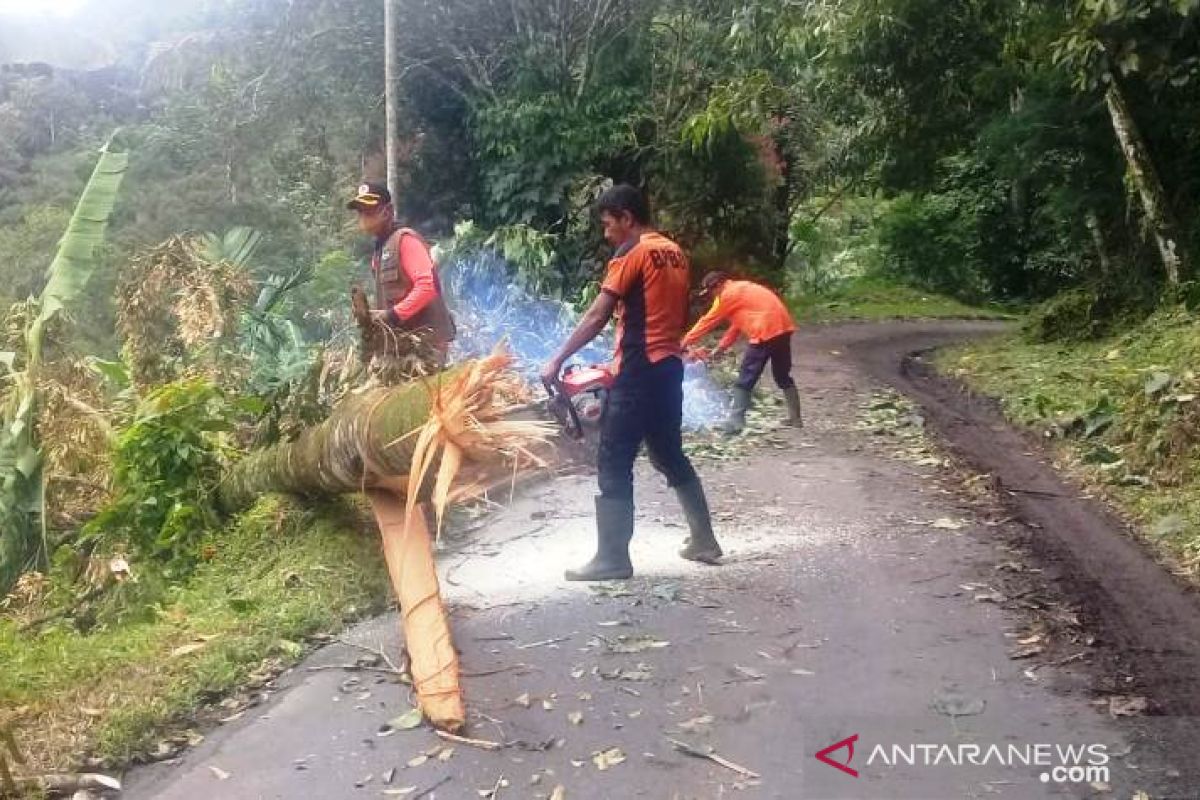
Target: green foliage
26,248
532,151
22,485
531,254
1073,315
167,464
933,241
875,298
1127,407
277,575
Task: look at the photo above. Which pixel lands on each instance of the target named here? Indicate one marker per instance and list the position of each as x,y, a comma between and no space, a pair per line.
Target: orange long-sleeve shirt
750,309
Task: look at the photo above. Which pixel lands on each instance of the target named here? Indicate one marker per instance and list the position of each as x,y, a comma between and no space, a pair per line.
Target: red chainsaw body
586,389
578,380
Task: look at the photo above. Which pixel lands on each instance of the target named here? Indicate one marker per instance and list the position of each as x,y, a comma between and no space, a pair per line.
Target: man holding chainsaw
757,313
646,287
407,291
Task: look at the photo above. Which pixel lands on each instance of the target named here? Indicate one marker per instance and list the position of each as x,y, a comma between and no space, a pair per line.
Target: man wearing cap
407,290
646,287
756,312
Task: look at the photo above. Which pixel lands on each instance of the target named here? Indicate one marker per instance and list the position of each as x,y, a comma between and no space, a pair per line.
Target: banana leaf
22,500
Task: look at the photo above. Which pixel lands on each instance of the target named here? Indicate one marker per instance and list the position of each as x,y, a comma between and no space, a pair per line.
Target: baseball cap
711,281
369,196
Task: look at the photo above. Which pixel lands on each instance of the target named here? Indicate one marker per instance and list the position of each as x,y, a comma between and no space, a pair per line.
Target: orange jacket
751,309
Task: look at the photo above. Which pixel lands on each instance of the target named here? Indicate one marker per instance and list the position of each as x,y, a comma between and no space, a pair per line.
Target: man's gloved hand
379,316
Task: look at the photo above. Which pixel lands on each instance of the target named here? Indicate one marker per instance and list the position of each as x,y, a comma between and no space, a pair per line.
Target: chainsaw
577,398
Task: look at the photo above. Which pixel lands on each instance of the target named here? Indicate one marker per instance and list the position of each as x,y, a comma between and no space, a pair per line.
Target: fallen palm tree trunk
393,437
387,442
408,549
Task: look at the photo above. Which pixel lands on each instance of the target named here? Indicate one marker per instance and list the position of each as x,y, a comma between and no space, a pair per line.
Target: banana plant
22,496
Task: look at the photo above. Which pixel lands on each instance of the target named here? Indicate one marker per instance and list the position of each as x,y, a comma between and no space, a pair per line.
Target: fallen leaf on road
752,674
575,717
947,524
418,761
610,590
803,672
711,755
604,759
389,775
406,721
990,597
522,700
1026,652
614,623
547,705
953,704
642,673
666,591
577,673
494,792
482,744
696,722
636,644
559,793
1100,786
445,754
1127,705
400,792
221,774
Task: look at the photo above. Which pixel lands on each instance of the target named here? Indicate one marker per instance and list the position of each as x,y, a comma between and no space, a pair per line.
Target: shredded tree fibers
402,445
395,437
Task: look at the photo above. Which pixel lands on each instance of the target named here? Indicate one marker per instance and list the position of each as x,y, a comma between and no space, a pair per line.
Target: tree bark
1092,220
1148,184
391,77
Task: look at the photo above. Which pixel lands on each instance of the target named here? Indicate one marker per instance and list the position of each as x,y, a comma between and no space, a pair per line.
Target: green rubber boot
737,415
792,396
702,544
614,529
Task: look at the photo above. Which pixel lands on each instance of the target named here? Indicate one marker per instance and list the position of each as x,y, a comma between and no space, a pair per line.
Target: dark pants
778,351
644,405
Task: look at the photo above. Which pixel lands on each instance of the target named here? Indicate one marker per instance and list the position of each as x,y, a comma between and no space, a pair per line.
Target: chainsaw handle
559,400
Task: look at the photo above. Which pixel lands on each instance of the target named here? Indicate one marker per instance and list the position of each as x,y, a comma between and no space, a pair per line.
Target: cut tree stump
408,550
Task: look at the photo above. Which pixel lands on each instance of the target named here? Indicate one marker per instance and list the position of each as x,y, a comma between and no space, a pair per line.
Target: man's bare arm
594,320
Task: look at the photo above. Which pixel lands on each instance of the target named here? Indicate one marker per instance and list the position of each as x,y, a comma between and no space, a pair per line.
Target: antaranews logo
824,756
1060,763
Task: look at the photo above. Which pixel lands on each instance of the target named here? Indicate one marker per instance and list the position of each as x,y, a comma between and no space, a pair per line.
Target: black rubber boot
737,415
792,396
702,544
614,529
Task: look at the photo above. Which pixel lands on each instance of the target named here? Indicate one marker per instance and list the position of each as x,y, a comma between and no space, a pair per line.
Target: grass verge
1126,410
278,575
870,298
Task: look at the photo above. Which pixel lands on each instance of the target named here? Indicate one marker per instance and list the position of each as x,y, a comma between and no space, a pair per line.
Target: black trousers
778,351
644,405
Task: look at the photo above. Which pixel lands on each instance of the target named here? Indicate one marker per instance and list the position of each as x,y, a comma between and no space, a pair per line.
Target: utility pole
391,78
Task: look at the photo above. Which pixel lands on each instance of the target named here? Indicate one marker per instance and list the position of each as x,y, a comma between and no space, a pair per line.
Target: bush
167,464
1072,316
932,242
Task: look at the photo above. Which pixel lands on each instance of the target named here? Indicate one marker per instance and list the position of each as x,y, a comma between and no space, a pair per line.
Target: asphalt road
869,591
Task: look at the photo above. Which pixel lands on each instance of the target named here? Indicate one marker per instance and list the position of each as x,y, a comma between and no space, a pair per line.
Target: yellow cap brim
364,203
